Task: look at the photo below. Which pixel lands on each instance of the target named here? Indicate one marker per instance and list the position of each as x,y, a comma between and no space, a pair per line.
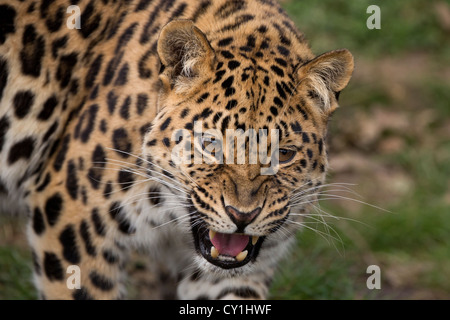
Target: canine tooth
212,234
241,256
214,252
254,240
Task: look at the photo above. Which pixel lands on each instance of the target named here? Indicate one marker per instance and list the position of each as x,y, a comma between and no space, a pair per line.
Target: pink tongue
229,244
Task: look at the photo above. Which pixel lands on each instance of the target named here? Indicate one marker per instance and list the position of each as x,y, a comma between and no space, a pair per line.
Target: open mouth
225,250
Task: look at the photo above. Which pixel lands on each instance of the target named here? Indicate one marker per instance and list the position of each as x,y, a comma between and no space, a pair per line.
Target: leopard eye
286,155
211,144
206,141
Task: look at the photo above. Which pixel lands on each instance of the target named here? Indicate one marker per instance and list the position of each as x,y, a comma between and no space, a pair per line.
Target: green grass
15,274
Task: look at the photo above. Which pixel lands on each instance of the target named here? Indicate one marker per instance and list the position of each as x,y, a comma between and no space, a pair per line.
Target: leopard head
276,102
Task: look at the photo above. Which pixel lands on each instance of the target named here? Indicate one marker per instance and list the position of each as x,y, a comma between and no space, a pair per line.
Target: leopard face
244,84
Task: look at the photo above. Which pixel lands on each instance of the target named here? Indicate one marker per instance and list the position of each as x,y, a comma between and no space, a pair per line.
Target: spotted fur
87,118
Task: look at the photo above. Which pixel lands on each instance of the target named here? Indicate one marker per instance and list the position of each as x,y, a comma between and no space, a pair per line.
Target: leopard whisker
166,202
337,184
171,221
317,194
116,162
335,197
184,173
146,161
285,232
163,195
327,226
151,178
323,234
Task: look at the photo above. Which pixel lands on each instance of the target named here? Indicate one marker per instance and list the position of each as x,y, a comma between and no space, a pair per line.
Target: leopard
94,96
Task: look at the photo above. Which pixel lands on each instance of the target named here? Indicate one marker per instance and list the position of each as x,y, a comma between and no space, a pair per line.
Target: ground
389,141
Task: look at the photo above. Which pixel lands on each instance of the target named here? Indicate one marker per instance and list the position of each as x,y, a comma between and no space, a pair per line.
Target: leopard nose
241,219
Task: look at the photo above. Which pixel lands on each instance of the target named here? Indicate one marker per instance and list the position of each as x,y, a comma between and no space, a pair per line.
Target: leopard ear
184,52
326,75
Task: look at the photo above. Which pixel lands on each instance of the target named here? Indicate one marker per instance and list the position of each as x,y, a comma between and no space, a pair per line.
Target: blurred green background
390,139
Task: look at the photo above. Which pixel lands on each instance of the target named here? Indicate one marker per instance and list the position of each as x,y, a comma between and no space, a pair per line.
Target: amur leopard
90,116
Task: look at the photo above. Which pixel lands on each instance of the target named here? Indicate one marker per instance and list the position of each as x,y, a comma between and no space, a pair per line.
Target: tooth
254,240
214,252
241,256
212,234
